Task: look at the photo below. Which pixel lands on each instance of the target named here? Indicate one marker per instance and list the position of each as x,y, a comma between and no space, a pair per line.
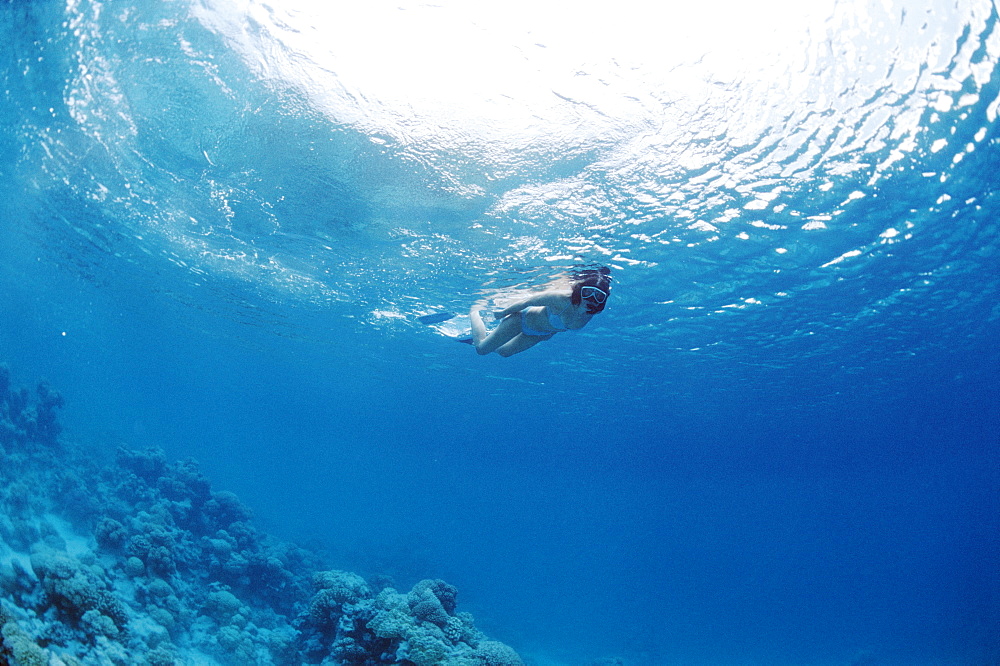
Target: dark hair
591,277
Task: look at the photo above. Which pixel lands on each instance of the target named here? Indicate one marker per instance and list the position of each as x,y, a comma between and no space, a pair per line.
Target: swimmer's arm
551,298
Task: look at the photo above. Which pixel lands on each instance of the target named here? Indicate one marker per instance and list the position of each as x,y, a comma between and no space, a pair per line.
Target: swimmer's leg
485,342
521,342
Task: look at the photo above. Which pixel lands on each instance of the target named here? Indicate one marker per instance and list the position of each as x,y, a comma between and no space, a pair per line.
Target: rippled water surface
778,444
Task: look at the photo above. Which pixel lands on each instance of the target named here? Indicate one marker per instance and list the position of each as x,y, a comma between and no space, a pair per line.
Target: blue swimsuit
555,321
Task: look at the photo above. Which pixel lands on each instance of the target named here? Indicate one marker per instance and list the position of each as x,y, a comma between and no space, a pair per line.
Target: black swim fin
436,318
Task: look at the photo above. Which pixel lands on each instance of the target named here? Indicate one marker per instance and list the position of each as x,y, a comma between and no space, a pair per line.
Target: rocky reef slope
139,561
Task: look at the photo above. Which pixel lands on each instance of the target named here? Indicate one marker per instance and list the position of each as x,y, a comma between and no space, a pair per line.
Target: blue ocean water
777,445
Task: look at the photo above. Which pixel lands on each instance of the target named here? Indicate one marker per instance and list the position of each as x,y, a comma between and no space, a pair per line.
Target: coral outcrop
421,627
140,562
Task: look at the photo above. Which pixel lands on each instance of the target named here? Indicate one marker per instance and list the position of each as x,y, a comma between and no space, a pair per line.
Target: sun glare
522,73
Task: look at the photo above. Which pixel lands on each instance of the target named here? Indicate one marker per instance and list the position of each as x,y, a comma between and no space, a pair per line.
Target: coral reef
141,562
23,420
420,627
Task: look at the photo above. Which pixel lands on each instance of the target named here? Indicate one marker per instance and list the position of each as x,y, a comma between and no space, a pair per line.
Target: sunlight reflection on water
725,159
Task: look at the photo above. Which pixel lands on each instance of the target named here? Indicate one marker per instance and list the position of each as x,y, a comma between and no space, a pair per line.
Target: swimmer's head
592,286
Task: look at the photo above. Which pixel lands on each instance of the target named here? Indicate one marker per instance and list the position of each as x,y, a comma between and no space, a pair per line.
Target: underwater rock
141,562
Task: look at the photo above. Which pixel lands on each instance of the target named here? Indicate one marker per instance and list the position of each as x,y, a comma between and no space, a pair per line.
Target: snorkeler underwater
727,276
566,304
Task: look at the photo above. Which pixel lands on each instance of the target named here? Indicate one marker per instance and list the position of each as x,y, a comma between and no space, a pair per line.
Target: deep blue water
778,444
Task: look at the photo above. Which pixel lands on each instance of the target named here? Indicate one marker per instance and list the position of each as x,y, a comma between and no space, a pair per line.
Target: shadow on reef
141,562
